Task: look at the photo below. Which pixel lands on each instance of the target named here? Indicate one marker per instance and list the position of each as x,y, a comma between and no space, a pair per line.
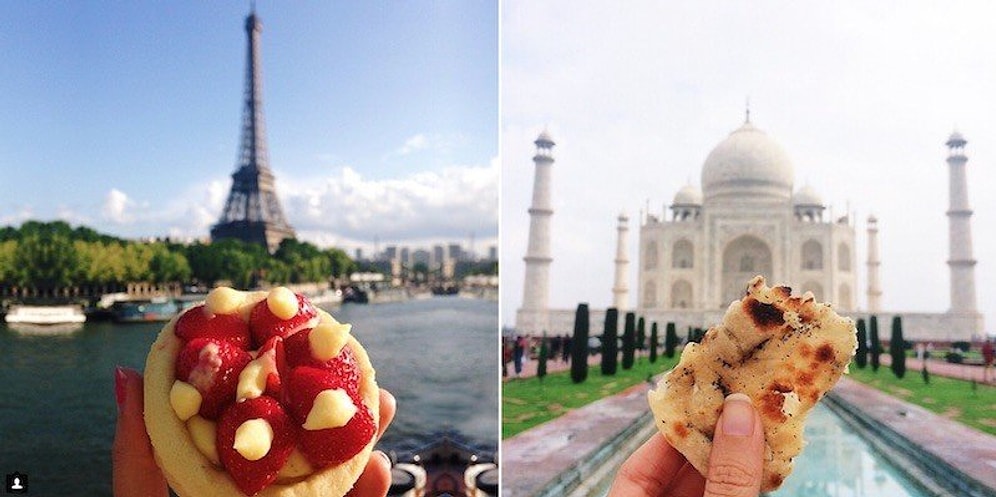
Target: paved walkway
529,367
941,368
965,449
534,459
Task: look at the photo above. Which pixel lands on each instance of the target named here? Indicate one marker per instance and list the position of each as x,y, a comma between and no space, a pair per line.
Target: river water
438,356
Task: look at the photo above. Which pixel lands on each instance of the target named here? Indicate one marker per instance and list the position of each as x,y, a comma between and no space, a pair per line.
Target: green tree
861,355
670,340
641,334
629,341
653,342
579,345
610,334
541,365
897,348
876,344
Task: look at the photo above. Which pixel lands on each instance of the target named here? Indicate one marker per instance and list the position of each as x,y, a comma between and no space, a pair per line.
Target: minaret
252,212
960,230
874,288
620,292
535,295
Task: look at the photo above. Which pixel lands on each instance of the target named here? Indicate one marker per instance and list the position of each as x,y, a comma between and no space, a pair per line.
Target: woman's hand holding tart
260,393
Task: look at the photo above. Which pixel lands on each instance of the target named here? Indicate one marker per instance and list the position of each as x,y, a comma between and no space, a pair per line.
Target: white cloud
452,202
343,209
417,142
116,206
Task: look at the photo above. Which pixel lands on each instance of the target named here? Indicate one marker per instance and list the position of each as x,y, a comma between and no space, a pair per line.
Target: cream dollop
253,439
332,409
184,399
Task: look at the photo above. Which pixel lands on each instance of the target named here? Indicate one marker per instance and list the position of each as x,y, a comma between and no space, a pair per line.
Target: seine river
438,356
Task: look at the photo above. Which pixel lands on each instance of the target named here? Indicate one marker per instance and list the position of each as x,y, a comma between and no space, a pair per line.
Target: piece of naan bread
783,352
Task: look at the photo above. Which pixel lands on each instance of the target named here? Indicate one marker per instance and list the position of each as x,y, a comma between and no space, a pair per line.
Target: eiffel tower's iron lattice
252,212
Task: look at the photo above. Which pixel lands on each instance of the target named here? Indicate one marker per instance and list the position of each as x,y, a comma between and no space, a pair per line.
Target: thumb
134,467
737,458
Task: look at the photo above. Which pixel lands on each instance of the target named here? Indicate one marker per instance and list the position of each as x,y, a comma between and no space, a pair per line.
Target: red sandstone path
552,366
934,366
942,368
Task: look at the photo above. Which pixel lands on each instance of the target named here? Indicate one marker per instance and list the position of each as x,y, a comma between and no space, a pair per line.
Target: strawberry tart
260,393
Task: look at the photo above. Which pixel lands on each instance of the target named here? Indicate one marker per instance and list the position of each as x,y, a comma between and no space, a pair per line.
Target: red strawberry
212,366
298,351
330,446
198,323
263,324
253,476
274,347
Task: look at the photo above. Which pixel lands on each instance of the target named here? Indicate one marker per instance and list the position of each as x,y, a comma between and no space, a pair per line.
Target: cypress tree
641,334
653,342
876,344
579,345
610,349
861,355
629,341
897,348
670,340
541,366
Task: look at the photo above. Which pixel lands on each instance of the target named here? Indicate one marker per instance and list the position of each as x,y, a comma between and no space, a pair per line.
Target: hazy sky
125,116
862,96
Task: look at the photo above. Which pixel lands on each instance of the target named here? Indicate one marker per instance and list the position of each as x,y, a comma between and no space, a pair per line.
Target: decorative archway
683,255
743,258
812,256
681,295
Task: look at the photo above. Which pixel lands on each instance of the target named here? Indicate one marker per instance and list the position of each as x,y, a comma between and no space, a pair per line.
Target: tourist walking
988,355
518,351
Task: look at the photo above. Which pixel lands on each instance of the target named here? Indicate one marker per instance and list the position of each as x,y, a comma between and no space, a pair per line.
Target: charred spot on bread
825,352
765,316
679,429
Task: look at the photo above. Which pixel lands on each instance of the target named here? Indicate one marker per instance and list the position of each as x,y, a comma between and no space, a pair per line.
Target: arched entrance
745,257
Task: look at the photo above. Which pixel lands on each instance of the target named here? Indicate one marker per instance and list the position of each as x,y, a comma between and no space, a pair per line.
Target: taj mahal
748,218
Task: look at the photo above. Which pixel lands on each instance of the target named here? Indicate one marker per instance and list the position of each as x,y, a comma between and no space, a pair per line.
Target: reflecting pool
838,463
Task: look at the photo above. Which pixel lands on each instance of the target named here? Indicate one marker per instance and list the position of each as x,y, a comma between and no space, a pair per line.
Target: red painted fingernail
120,378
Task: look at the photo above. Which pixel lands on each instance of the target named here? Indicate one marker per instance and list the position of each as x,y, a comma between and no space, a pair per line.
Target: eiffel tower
252,212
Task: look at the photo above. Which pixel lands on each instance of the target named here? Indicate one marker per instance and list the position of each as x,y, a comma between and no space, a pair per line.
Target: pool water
836,462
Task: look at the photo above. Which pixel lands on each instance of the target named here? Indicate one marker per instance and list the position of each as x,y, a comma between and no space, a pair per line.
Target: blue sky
124,116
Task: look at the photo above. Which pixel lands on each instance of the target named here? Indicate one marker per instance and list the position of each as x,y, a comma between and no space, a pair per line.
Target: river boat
135,311
45,315
444,467
355,295
327,297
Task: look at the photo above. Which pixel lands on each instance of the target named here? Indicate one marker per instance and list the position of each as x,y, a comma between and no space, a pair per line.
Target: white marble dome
807,196
688,195
747,165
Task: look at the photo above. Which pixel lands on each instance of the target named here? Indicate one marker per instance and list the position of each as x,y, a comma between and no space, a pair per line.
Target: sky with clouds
381,116
861,96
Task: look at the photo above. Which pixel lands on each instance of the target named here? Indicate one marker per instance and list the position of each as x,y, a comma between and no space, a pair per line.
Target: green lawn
951,398
528,402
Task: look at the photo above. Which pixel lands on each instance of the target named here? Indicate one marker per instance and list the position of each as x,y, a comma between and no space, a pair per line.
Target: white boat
45,315
328,297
